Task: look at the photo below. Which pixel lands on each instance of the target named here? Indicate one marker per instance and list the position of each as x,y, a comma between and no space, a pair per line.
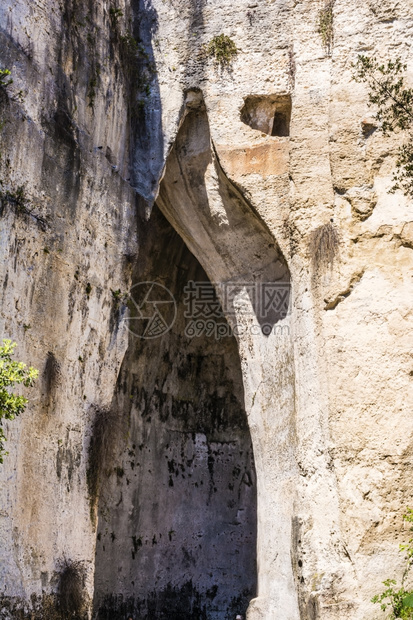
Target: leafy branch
12,373
394,104
399,600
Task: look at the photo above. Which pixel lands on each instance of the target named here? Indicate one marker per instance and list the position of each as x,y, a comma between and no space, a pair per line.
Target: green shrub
398,600
12,373
115,15
129,47
223,49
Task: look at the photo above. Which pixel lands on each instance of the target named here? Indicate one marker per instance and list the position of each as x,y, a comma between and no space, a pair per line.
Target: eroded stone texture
63,250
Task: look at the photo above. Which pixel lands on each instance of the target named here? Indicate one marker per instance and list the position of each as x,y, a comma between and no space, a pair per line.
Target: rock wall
68,235
258,166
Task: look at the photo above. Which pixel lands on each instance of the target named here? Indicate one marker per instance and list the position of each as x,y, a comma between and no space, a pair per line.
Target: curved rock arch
246,265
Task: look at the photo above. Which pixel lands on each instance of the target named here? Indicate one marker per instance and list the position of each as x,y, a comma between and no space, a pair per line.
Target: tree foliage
397,599
394,103
12,373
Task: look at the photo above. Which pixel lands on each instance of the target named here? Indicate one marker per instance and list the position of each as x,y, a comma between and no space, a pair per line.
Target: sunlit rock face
270,171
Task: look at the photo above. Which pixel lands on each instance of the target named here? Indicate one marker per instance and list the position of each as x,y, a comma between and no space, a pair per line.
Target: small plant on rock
115,15
5,79
130,47
117,297
394,104
223,49
325,25
398,600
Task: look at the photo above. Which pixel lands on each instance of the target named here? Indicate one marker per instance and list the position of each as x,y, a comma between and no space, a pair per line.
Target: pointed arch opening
176,532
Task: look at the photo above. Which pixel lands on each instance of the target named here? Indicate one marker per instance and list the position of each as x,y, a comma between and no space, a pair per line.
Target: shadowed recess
176,535
270,114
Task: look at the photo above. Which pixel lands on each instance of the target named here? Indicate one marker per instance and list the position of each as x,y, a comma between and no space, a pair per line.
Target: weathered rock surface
115,105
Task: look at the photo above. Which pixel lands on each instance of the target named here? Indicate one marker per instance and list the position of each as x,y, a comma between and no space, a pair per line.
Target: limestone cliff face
198,476
65,246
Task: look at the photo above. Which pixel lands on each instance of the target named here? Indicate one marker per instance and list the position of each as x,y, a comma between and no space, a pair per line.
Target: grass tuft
223,49
326,25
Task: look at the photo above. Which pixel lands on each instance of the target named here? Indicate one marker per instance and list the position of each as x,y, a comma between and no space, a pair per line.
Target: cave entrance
270,114
176,535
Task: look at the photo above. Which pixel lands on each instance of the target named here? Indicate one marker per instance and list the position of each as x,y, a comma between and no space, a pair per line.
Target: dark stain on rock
52,373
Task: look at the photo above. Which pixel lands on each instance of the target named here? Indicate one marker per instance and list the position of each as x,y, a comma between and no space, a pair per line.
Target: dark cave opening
270,114
280,126
176,535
